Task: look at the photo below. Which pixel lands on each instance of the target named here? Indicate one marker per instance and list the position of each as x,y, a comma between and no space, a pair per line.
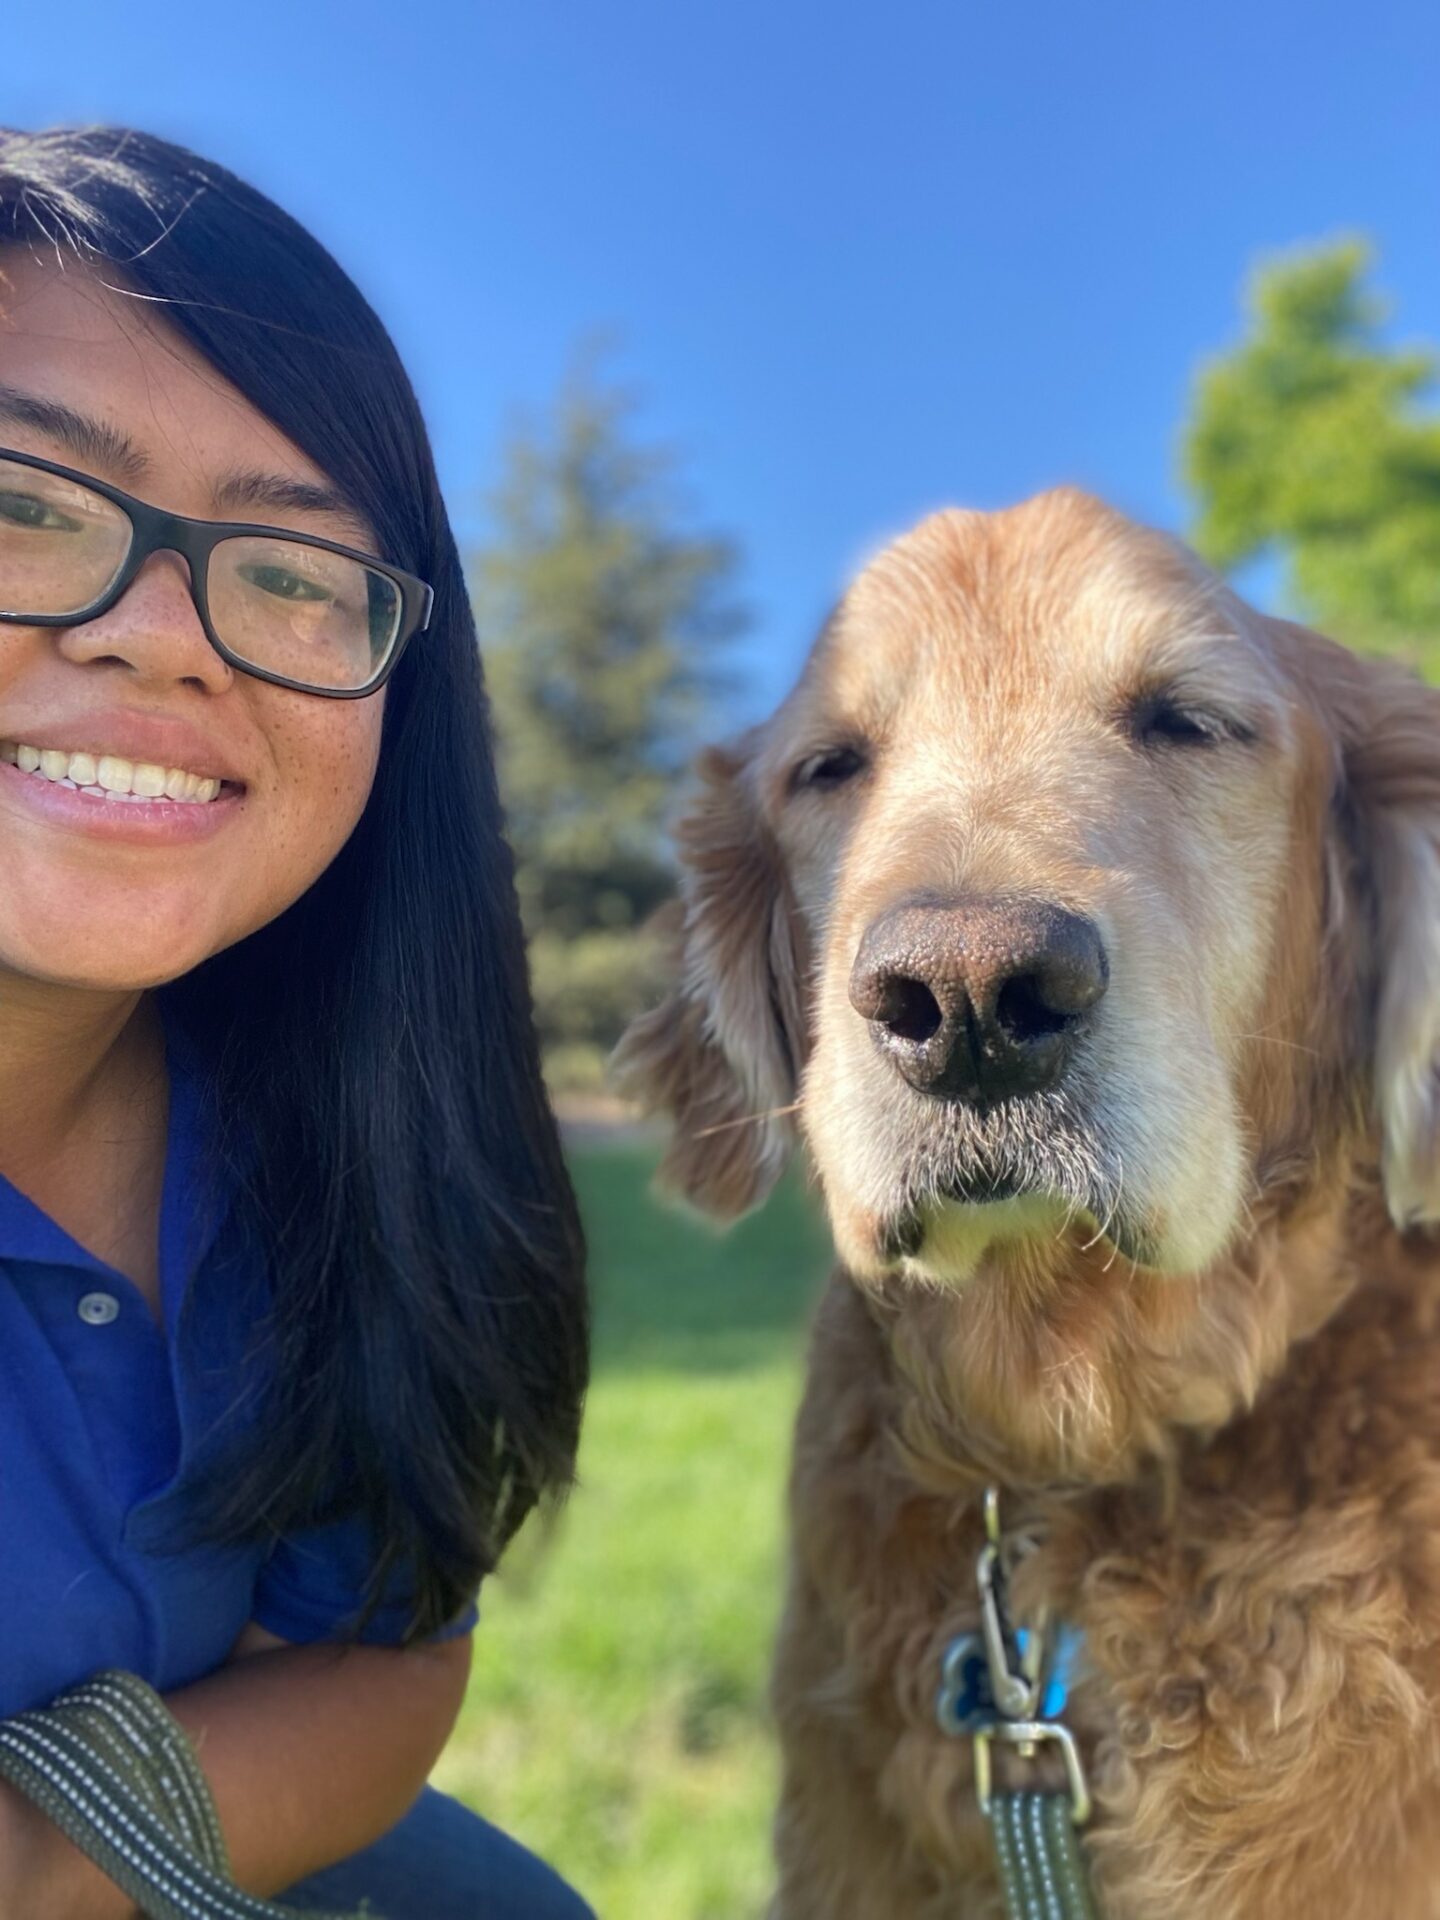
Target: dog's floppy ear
723,1053
1393,776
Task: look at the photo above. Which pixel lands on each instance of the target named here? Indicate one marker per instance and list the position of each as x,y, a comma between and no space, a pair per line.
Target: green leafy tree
605,620
1312,440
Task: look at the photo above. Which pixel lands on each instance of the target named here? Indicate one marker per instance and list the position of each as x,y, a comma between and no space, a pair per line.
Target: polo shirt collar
192,1205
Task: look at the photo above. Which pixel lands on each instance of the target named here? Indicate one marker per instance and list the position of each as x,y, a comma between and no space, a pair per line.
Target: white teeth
148,780
111,776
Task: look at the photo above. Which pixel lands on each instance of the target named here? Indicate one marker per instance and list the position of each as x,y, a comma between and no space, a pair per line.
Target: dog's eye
1162,721
831,767
1165,721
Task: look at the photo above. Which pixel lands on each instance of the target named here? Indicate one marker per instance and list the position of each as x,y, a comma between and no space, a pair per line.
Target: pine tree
604,621
1311,440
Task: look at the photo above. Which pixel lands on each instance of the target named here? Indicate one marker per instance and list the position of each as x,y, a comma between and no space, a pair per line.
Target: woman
292,1316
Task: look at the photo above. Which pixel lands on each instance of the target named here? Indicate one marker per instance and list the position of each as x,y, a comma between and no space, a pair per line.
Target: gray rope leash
1037,1849
115,1772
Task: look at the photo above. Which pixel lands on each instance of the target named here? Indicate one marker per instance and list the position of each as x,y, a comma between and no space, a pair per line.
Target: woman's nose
154,629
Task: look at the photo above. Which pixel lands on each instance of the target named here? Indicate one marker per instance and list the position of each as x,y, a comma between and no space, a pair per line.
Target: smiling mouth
112,777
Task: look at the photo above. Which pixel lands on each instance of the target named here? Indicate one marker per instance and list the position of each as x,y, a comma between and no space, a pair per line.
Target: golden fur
1201,1353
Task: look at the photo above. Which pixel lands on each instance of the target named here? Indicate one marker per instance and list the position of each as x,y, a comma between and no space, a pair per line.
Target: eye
1164,720
281,583
830,767
27,510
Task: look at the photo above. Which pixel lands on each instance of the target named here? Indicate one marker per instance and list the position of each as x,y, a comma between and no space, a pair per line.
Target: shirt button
98,1309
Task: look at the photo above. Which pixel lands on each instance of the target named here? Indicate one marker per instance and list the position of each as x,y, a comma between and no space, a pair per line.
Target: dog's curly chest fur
1261,1615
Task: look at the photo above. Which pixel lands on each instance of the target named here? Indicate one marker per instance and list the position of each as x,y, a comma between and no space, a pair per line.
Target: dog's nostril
1022,1013
908,1009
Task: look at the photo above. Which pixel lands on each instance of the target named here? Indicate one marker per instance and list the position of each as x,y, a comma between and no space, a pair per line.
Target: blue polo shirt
105,1413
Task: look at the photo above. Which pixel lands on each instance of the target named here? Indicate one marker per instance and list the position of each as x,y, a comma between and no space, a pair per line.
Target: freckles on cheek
324,772
340,741
336,795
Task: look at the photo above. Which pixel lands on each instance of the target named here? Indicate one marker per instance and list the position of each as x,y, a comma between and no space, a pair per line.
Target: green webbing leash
1008,1687
1037,1848
116,1773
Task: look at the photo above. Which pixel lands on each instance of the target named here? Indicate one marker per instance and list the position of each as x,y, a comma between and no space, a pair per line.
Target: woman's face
125,894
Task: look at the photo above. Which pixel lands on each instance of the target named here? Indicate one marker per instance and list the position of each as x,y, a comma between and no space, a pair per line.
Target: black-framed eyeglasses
287,607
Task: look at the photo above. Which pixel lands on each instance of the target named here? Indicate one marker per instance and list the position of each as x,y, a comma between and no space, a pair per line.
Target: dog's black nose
978,1000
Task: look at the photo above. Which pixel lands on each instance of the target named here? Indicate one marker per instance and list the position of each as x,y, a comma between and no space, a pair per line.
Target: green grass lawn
616,1719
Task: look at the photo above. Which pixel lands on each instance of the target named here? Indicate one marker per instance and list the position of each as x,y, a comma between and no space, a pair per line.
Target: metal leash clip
1006,1685
1025,1736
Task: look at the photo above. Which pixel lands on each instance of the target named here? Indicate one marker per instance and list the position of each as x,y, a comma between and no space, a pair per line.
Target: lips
118,818
130,733
976,1187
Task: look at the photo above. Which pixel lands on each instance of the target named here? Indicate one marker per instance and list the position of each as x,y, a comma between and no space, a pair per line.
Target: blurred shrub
588,986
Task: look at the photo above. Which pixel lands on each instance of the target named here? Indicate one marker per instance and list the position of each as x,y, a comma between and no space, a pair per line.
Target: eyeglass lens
280,604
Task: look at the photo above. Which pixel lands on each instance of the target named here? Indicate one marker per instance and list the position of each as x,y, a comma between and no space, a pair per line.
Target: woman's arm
311,1753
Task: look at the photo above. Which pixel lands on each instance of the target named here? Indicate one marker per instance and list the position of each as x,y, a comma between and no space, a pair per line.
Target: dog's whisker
1111,1211
1103,1228
1072,1207
1273,1040
747,1120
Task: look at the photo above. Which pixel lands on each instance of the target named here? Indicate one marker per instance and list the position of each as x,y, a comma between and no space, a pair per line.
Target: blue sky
862,260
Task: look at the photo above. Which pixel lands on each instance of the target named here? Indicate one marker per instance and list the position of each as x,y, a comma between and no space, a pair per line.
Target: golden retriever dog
1084,925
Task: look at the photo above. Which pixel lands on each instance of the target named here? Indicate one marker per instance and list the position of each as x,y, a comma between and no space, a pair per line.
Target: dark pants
443,1862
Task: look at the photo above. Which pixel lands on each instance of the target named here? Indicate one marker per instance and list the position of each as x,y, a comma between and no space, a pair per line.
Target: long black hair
428,1343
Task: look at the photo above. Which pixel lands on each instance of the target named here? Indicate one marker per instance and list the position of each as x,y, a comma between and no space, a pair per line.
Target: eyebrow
107,447
253,491
87,438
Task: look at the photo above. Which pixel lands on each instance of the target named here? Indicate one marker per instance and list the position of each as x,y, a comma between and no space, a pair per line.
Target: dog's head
1071,904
